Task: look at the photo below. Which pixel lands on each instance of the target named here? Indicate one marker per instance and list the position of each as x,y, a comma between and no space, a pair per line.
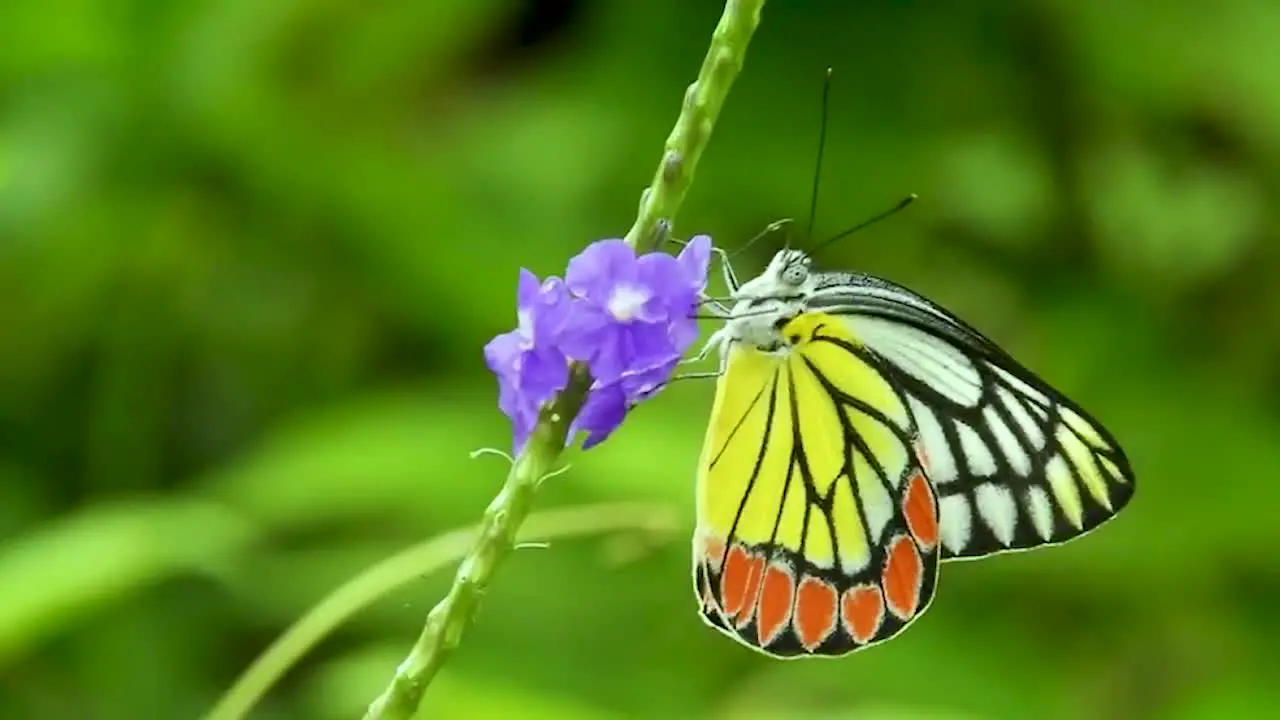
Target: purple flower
530,367
628,318
640,385
636,312
601,414
695,261
607,405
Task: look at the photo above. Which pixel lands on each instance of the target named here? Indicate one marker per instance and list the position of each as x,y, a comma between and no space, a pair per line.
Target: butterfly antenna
902,204
822,144
767,231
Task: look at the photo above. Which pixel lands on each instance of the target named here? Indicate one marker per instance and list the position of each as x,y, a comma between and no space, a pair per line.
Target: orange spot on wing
754,569
903,571
921,511
862,609
733,580
776,592
740,583
815,613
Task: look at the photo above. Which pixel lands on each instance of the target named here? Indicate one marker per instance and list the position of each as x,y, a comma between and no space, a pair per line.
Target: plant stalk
494,541
703,101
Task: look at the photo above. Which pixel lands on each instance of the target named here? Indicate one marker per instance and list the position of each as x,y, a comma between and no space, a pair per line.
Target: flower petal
670,292
587,328
603,412
502,353
527,289
594,272
683,332
551,311
695,261
644,384
649,345
543,373
522,423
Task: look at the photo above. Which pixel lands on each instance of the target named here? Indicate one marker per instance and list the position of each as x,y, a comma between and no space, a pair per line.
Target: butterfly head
766,302
787,277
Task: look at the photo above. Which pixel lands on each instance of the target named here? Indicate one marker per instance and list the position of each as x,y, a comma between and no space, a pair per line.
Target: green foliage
376,582
250,251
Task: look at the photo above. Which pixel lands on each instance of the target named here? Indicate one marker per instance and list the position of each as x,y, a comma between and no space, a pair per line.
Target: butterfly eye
795,274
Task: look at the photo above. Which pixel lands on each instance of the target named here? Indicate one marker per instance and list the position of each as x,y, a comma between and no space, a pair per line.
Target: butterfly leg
724,361
717,340
696,376
726,270
718,308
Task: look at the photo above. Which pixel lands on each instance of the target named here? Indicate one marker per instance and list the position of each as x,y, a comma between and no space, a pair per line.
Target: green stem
447,620
702,103
494,541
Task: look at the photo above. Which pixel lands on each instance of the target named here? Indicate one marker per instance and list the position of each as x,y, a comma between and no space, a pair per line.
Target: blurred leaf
344,688
423,559
250,252
1240,698
964,682
1154,222
63,573
365,459
998,181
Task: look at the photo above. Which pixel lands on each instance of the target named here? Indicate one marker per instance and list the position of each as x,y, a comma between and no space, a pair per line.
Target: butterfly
860,435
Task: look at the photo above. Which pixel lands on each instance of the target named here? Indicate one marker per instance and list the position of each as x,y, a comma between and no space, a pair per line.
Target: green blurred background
250,252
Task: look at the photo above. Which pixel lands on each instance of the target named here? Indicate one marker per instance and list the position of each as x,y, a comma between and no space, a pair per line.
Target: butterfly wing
817,531
1016,465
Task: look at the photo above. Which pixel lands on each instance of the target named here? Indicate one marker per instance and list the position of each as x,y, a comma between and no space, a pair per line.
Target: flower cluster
628,318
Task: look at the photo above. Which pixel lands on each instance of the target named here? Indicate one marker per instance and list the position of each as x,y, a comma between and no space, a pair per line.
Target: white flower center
626,301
